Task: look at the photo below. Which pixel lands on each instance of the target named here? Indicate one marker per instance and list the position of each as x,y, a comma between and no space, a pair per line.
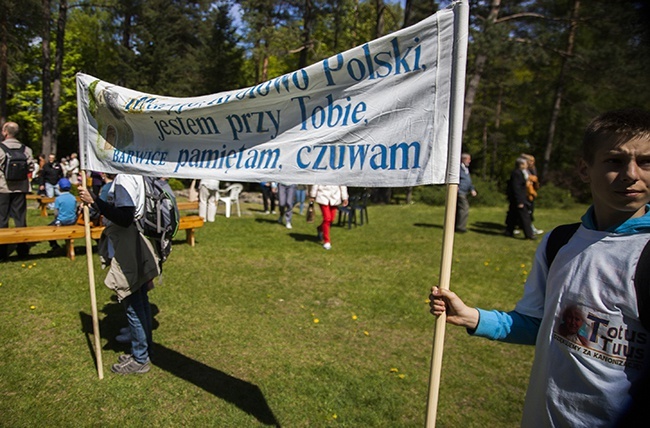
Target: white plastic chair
232,197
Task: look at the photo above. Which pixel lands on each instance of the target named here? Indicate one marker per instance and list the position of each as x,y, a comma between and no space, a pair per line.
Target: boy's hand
458,313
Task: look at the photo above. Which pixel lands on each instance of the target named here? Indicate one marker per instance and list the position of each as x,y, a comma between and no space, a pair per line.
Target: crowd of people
521,192
285,197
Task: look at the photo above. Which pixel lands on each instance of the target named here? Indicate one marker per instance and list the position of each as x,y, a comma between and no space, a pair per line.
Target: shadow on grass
437,226
272,219
487,228
245,395
305,237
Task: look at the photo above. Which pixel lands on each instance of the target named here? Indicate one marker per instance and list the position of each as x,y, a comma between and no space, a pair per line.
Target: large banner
377,115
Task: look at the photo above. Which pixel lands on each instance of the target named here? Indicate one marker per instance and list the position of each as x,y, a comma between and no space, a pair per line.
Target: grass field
258,325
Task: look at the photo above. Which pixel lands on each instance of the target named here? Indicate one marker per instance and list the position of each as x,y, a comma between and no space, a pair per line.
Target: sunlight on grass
258,325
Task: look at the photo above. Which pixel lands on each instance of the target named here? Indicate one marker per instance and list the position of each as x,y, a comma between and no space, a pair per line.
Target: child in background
65,208
591,382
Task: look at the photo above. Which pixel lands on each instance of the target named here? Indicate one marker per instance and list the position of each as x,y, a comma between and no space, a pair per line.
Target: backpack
161,217
16,167
562,234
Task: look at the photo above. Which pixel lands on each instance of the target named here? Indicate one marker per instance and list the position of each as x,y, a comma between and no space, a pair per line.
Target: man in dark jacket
518,213
12,192
49,177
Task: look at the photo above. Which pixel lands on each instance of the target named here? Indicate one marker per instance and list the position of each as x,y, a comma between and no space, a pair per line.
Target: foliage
551,196
488,194
175,184
236,338
194,47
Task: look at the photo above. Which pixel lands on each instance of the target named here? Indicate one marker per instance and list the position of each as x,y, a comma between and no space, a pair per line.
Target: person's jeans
268,197
301,194
138,313
285,196
51,190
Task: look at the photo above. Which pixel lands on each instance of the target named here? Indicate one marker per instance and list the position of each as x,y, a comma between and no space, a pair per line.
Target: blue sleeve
510,327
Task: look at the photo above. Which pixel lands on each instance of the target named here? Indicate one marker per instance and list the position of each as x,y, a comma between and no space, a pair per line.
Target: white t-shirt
209,183
128,191
591,345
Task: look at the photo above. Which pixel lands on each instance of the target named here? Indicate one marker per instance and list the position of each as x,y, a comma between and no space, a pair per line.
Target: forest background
537,72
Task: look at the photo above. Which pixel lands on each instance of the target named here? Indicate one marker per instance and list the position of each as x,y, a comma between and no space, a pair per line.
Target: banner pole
91,282
461,34
445,277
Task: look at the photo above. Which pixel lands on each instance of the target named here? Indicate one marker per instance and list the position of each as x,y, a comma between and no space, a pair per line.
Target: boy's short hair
616,126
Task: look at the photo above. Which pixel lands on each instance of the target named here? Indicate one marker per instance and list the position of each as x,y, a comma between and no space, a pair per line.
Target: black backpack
161,217
562,234
16,167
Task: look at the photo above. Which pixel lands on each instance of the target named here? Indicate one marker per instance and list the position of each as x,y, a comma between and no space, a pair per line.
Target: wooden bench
19,235
188,205
42,200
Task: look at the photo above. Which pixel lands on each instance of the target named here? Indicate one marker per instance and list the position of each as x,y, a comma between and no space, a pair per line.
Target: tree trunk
485,150
559,91
47,81
379,24
4,40
479,65
308,22
58,70
337,24
495,141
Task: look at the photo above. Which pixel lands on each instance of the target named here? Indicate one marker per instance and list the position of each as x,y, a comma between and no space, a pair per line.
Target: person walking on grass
286,194
518,209
588,383
328,198
465,187
133,264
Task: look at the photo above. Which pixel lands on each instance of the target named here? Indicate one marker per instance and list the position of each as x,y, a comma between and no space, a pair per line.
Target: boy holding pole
596,272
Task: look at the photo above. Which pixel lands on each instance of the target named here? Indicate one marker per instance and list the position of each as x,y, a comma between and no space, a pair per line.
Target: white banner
378,115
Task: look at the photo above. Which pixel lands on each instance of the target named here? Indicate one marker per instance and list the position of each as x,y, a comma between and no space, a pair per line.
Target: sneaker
319,233
516,232
131,366
289,225
273,212
267,212
327,246
538,231
124,338
124,358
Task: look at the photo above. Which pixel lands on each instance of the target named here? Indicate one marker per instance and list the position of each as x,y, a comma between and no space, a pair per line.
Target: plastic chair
232,197
361,205
348,213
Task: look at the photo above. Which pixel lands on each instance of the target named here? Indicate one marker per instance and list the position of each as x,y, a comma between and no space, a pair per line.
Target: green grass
237,341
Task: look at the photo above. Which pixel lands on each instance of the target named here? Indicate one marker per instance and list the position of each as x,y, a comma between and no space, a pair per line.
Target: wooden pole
461,35
439,332
91,282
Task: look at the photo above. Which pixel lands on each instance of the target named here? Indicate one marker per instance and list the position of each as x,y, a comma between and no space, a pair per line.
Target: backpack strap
642,286
558,239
